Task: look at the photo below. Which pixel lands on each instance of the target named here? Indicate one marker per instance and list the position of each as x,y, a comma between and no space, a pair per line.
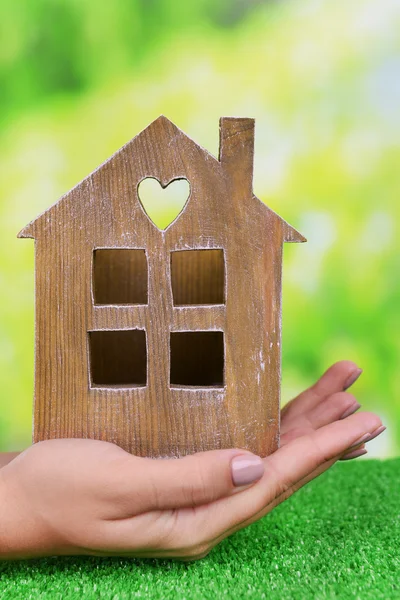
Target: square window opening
197,359
198,277
118,358
120,276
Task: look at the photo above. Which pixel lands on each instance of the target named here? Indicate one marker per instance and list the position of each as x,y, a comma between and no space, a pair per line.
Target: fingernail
363,438
374,434
354,454
246,469
352,379
367,437
351,410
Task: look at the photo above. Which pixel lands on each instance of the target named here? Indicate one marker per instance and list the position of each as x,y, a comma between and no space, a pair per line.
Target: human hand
73,496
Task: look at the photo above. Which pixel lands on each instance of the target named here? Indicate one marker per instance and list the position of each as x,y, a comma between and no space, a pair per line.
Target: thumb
198,478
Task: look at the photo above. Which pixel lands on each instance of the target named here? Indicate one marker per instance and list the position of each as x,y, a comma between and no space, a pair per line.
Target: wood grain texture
222,214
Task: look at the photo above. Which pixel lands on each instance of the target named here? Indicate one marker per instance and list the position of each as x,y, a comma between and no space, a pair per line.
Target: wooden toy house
165,342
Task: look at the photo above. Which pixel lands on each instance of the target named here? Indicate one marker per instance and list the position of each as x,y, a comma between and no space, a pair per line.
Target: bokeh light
322,80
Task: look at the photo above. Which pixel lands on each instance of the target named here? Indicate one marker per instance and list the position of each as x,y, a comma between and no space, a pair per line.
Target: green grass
336,538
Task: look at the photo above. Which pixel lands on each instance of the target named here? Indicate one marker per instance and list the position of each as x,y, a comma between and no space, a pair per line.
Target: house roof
290,234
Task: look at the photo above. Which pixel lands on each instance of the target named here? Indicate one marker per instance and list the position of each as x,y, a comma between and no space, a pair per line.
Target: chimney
236,151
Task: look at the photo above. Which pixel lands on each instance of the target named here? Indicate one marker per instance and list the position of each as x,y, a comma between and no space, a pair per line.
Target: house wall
104,212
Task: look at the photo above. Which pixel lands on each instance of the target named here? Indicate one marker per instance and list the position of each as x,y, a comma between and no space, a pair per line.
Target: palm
319,407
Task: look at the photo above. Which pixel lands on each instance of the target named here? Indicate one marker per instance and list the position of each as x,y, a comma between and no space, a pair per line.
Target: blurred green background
79,78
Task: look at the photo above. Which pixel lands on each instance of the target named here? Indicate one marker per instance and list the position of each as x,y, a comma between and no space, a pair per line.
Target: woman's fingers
186,482
337,406
337,378
202,514
190,532
355,451
321,404
334,407
298,459
287,469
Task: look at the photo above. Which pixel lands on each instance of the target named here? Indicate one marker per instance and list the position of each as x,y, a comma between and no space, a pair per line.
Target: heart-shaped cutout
163,205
